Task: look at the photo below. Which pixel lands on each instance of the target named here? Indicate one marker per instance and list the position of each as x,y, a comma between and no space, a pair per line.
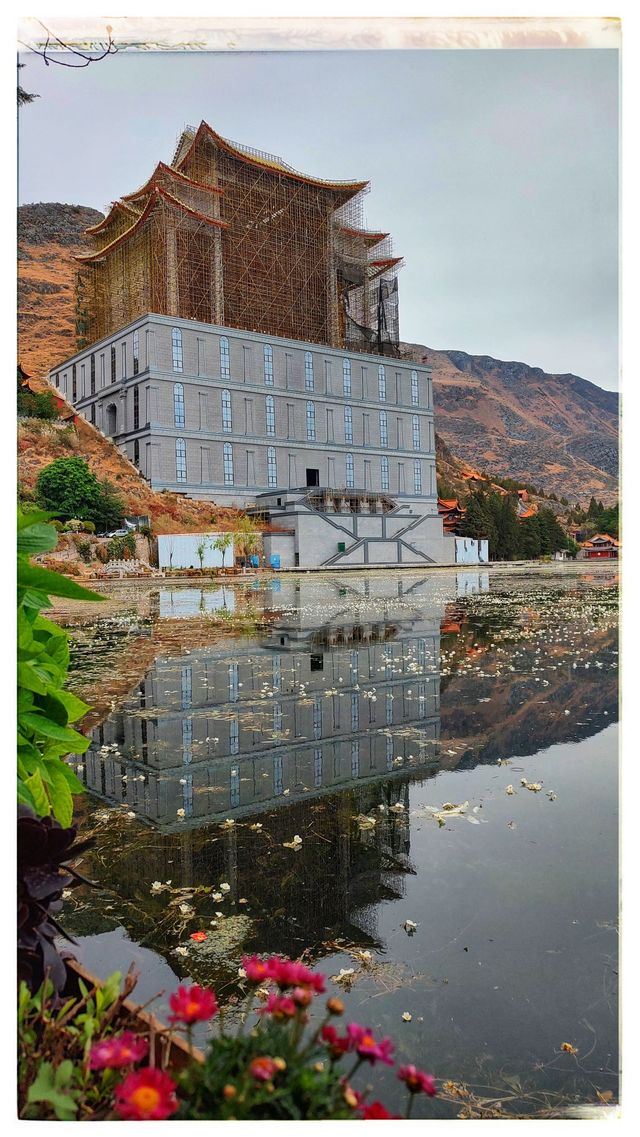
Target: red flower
287,973
338,1044
256,969
263,1069
121,1050
417,1081
376,1111
192,1004
148,1095
362,1041
279,1007
199,937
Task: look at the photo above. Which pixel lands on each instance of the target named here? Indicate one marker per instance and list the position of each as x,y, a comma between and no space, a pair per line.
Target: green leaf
35,539
25,797
49,1087
49,729
35,787
29,598
29,677
74,706
26,520
71,778
34,577
60,794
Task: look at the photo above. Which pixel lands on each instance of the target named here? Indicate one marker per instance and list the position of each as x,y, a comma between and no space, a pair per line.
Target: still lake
443,748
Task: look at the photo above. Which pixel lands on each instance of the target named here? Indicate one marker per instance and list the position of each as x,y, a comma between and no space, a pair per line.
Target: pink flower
417,1081
256,969
192,1004
264,1068
121,1050
148,1095
376,1111
338,1044
302,996
278,1006
288,973
362,1041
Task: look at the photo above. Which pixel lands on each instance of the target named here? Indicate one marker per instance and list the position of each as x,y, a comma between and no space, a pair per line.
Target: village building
600,547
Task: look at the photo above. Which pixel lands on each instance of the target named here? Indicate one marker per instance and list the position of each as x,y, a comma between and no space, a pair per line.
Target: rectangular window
270,412
102,373
74,385
92,375
113,363
317,717
136,452
181,460
308,371
415,397
272,468
227,460
384,473
136,353
234,748
186,674
56,380
415,431
355,710
178,404
384,434
417,476
346,377
348,424
83,388
382,384
124,360
93,413
349,472
176,349
268,365
225,371
226,412
311,422
136,408
233,682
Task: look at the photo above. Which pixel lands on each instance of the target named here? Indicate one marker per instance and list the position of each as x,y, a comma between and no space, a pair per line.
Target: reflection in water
381,697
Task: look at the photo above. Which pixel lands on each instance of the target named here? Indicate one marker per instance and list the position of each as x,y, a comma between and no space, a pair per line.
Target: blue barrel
254,561
274,560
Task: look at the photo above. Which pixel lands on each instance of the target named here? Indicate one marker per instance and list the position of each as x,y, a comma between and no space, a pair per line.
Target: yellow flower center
145,1099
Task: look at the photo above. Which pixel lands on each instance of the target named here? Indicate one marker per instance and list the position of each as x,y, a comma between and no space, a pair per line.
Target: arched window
382,384
311,422
417,476
415,398
226,411
272,467
346,377
349,470
227,461
225,372
178,404
384,433
268,365
348,424
181,460
384,473
415,431
271,415
308,371
112,418
176,348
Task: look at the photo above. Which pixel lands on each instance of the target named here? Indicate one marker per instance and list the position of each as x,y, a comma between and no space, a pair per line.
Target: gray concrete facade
222,414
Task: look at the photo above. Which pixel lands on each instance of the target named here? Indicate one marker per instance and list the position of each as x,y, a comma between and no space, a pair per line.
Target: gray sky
495,171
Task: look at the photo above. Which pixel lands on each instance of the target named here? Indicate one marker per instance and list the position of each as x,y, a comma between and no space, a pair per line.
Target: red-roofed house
600,547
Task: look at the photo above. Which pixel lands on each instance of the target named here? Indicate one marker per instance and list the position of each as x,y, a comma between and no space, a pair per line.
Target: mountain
559,432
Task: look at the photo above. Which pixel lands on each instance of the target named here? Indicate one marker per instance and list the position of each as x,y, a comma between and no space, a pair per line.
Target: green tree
33,404
68,488
507,528
552,535
529,543
222,543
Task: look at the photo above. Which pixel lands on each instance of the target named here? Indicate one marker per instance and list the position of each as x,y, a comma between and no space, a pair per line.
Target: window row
310,419
225,370
272,469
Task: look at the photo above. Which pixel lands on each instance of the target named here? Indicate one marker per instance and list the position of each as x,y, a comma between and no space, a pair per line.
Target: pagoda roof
154,182
116,207
260,160
450,503
367,236
156,197
600,537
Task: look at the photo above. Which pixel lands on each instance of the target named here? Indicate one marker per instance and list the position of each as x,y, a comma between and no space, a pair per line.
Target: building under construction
231,236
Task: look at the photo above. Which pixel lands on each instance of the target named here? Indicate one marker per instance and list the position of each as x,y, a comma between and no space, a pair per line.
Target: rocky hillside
558,432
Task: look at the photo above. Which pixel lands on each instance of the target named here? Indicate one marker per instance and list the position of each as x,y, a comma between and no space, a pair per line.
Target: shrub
70,489
85,549
88,527
74,525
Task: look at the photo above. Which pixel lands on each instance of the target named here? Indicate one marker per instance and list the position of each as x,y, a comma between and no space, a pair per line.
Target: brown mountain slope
558,431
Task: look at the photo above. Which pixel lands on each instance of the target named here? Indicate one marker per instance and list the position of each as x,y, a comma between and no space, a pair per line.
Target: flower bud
229,1092
335,1006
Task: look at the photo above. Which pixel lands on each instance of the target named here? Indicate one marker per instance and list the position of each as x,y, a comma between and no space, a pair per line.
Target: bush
69,488
85,549
74,525
121,548
89,527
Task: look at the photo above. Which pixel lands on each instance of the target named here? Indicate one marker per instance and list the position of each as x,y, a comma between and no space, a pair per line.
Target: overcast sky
496,172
